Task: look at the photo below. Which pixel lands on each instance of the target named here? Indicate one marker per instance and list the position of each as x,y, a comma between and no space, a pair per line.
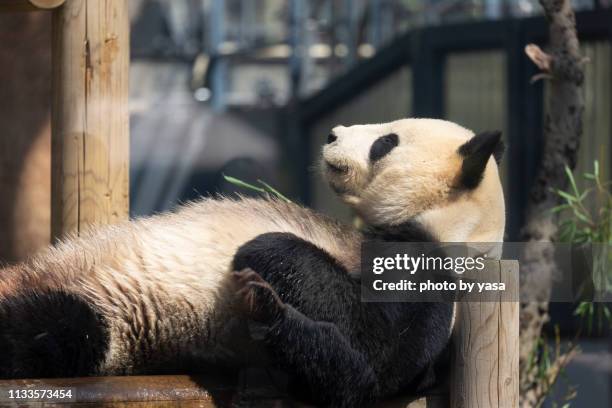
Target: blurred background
251,88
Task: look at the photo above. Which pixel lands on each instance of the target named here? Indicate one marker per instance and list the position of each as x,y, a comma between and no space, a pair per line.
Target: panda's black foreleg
321,354
317,352
258,298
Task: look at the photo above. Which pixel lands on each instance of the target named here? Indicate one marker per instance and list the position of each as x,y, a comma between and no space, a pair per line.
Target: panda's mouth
336,168
338,172
340,190
336,175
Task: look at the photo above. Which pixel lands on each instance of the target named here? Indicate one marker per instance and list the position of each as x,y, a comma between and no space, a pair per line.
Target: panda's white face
429,170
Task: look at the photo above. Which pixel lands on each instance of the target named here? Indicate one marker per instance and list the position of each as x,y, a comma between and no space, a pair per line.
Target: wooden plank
29,5
90,133
485,347
508,328
173,391
140,391
437,399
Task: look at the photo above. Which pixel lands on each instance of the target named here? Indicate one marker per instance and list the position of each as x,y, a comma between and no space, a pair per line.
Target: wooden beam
29,5
485,361
141,391
90,119
174,391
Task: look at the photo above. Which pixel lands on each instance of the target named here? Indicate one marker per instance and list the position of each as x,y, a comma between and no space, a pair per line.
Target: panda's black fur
340,351
69,339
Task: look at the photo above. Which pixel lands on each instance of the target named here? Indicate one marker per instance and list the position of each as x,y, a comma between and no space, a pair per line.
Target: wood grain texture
437,399
485,347
509,339
90,119
177,391
137,391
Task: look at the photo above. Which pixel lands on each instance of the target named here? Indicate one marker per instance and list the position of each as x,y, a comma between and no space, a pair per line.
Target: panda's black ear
476,153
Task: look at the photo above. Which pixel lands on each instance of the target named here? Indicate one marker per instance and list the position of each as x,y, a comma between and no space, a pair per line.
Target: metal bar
452,37
428,78
295,42
350,13
367,73
219,65
515,77
375,23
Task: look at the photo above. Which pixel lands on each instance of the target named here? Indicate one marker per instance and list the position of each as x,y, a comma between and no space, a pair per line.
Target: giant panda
179,291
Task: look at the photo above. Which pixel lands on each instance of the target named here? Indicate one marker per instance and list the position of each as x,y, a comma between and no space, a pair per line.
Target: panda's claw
257,299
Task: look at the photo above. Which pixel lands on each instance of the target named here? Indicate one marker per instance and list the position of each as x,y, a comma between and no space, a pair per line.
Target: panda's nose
331,138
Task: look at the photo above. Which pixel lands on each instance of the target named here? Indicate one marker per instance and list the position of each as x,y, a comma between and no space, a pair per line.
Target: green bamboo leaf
273,190
580,309
572,231
580,239
582,217
606,312
240,183
564,233
568,197
596,168
570,176
560,208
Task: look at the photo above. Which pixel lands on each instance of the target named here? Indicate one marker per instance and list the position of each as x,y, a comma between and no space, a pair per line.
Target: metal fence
476,74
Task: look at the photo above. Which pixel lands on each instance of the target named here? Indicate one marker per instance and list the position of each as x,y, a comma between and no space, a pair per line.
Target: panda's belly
164,286
188,321
181,334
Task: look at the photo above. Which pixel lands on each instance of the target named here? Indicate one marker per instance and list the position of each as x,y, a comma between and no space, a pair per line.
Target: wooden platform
171,391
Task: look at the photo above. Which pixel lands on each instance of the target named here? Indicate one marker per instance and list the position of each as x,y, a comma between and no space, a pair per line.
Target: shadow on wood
173,391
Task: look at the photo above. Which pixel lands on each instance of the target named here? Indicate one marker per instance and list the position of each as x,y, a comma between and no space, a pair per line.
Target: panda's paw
257,298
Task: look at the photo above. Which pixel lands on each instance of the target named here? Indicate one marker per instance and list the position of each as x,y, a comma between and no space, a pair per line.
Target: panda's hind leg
50,333
317,353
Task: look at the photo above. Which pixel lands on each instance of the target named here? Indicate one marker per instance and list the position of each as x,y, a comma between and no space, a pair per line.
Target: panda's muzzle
337,168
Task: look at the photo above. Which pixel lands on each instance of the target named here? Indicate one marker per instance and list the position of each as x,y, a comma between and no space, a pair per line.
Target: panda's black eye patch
382,146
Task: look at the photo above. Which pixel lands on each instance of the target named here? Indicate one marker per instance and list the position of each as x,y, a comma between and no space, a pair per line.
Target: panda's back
163,285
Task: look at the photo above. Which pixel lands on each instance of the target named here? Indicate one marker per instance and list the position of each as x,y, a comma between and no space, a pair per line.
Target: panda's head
431,171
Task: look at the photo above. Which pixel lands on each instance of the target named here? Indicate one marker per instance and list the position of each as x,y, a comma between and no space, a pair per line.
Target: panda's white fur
160,280
418,179
163,283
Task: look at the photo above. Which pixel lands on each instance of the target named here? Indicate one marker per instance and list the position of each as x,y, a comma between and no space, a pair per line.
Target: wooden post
485,363
90,119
